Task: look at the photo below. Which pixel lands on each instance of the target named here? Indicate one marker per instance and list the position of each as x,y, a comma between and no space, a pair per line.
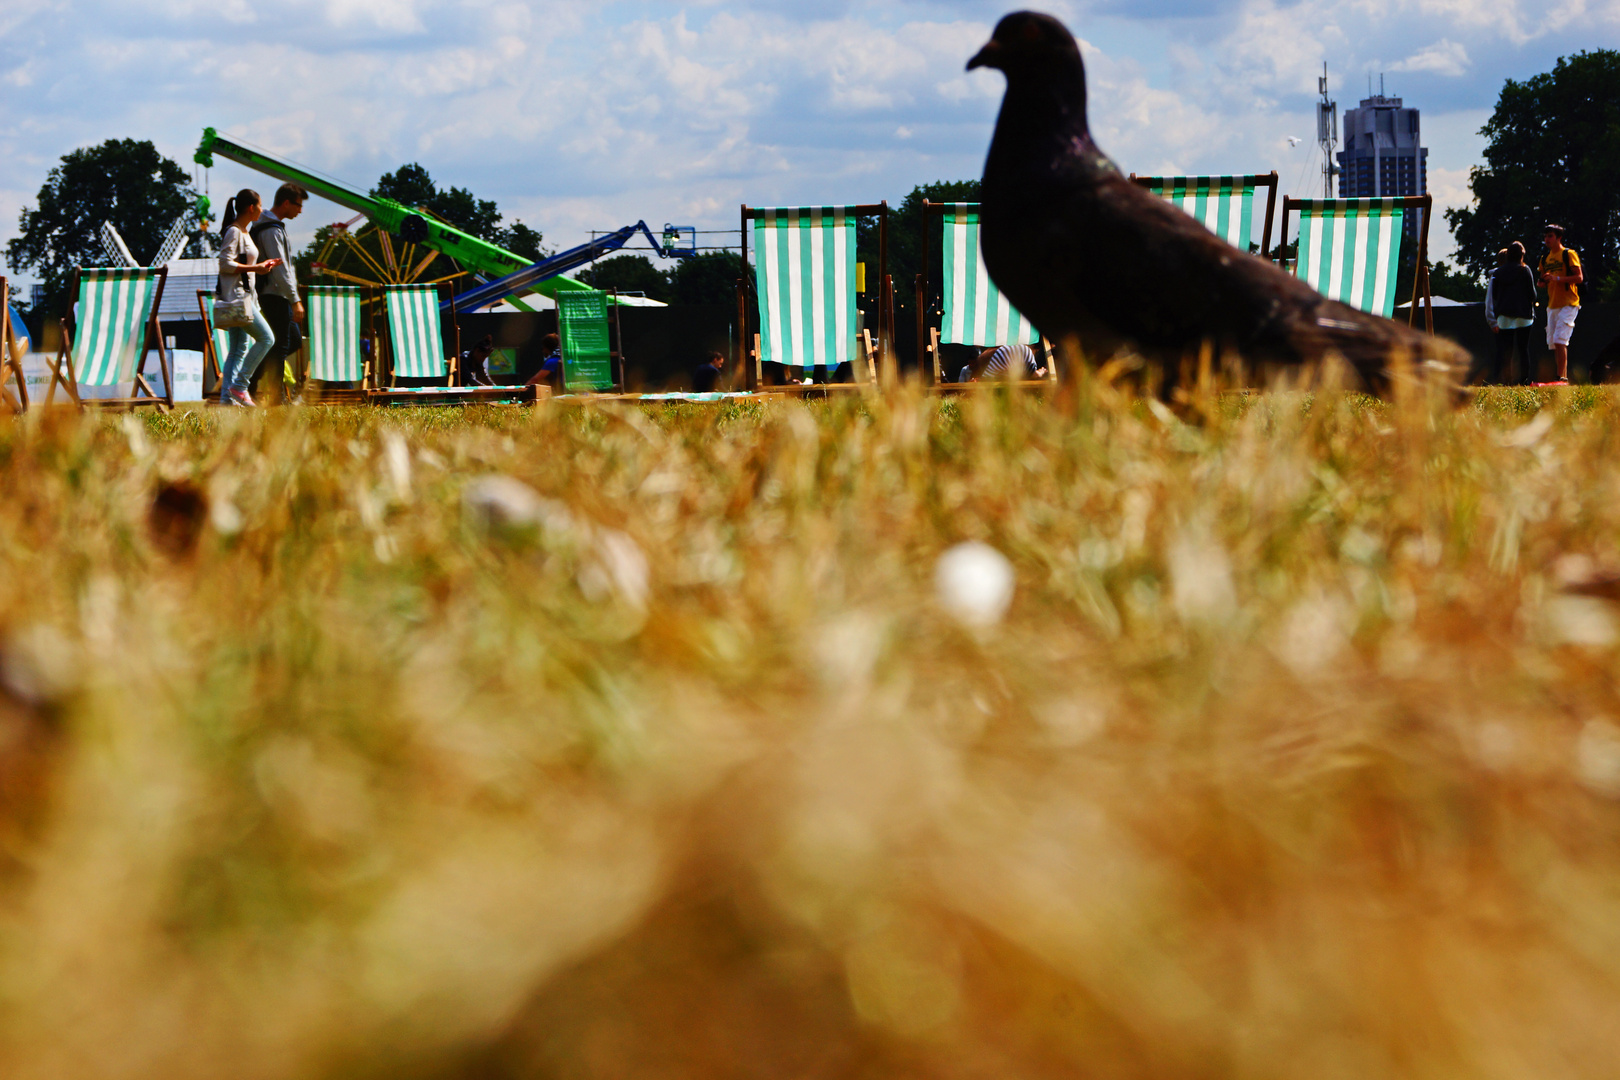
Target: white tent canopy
1441,301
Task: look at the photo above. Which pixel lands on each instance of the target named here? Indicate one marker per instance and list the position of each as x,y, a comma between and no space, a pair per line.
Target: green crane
479,256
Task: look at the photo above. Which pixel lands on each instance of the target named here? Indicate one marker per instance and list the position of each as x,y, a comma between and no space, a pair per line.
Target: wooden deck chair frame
1255,181
1420,279
386,355
62,370
931,302
10,366
874,351
212,361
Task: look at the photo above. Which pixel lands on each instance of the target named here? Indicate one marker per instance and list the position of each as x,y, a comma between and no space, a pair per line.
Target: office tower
1382,152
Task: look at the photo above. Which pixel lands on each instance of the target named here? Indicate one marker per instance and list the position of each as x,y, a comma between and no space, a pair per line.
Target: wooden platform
427,396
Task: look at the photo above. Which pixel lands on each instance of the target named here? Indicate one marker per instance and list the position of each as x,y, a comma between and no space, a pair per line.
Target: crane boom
477,255
529,276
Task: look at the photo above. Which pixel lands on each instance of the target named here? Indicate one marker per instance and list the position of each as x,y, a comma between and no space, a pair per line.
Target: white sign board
187,365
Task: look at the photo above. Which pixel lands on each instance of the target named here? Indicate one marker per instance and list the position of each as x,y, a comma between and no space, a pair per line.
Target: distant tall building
1382,152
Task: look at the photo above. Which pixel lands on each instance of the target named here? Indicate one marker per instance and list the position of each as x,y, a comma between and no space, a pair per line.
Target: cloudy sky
589,115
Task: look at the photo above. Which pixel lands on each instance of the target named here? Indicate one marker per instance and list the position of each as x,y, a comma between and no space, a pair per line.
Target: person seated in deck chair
706,376
473,369
550,373
993,364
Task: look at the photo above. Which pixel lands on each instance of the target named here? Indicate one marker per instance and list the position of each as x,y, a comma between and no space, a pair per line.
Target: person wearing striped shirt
995,363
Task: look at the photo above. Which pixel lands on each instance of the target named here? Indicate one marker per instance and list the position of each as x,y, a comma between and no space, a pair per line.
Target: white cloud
1443,58
581,116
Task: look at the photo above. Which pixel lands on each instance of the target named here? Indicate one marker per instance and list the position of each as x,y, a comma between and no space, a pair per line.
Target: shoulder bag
230,314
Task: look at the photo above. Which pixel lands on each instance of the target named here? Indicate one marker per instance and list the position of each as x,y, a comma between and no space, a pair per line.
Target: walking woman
1511,300
238,262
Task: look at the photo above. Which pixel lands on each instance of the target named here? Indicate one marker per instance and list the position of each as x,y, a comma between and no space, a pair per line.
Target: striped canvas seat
1349,249
804,267
334,333
1224,204
114,308
219,341
975,312
414,331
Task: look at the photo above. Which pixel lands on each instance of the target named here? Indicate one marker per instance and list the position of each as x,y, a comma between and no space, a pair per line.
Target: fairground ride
392,221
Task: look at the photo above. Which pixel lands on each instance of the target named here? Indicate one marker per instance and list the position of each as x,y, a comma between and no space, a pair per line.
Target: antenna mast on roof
1327,133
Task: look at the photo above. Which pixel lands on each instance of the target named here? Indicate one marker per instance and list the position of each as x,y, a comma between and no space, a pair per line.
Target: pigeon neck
1050,109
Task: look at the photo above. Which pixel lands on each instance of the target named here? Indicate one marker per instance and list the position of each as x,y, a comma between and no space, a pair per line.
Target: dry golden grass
622,743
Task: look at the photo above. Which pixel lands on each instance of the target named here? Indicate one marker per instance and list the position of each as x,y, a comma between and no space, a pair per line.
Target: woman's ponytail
236,204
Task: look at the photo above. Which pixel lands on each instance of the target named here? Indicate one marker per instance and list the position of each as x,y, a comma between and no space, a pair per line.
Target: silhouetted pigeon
1084,252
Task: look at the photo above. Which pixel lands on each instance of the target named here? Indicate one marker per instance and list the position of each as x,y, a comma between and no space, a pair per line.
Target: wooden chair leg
10,368
869,350
70,382
7,360
933,347
167,404
759,365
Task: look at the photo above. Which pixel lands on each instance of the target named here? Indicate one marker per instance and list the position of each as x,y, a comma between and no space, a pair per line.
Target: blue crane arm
525,279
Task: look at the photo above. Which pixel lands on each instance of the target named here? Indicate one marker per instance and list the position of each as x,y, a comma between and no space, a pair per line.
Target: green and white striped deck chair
974,312
1225,204
1350,249
115,317
334,333
414,332
217,342
804,270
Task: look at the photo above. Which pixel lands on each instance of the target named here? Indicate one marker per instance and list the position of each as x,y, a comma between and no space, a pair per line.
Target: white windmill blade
179,232
117,251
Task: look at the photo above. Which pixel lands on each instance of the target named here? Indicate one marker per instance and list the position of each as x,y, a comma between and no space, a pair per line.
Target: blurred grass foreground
1273,737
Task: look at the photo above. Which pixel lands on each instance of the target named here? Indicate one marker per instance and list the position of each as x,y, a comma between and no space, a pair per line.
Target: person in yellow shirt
1561,273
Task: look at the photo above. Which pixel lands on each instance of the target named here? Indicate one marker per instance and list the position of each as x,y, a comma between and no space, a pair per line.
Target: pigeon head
1027,38
1041,61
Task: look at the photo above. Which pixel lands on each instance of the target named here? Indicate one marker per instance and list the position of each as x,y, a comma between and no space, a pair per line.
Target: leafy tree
124,181
519,239
629,273
412,186
709,278
1553,155
1454,284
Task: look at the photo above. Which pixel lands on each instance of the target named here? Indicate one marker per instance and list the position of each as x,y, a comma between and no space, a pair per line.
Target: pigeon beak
989,56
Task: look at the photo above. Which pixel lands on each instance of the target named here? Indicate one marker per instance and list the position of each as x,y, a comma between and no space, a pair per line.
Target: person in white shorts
1561,273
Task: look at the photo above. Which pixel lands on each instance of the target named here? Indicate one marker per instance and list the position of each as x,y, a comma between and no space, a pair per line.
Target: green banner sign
583,327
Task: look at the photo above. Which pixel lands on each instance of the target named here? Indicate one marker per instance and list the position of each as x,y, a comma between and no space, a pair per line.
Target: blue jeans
242,362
